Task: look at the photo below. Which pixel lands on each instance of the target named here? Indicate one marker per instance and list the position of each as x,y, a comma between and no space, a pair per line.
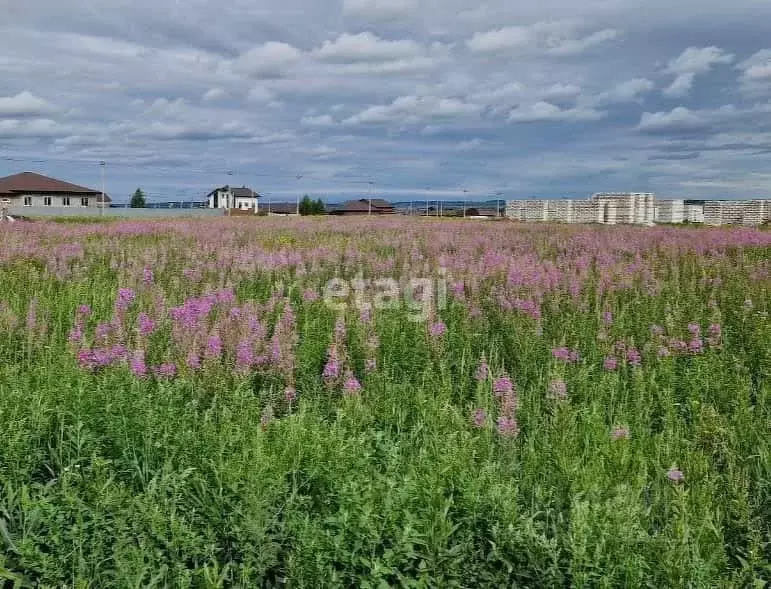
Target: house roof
363,205
242,192
280,208
32,182
379,203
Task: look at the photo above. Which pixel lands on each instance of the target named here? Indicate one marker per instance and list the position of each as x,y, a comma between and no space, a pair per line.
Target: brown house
365,206
29,189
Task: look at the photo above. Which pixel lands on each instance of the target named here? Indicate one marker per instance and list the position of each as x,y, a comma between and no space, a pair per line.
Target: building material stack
515,209
670,211
534,210
584,211
694,212
634,208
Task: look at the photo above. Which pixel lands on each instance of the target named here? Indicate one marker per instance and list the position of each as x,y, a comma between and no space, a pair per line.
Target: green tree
138,199
318,207
306,206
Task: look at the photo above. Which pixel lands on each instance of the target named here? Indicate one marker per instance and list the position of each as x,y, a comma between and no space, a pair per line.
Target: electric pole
101,168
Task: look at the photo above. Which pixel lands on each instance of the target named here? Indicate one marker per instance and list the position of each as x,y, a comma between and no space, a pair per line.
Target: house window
84,201
47,201
66,201
27,201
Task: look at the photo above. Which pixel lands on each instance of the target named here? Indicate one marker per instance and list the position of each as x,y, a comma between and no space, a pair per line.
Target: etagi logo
422,297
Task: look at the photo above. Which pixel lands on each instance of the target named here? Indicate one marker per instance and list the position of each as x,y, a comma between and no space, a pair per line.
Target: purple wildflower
147,276
213,347
558,390
244,356
137,364
437,329
118,353
167,370
86,359
146,324
332,367
607,318
76,335
633,357
696,346
508,426
620,432
561,354
675,475
694,329
126,296
503,386
351,386
84,310
310,295
479,418
483,370
610,363
193,361
664,352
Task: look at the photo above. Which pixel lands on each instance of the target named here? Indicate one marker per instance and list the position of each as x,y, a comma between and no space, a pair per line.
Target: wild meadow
384,403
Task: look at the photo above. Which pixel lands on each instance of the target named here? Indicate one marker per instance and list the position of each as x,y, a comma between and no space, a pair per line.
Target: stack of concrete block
670,211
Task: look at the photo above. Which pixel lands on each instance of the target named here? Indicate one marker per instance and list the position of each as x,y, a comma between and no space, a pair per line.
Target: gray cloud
559,38
546,111
25,104
689,64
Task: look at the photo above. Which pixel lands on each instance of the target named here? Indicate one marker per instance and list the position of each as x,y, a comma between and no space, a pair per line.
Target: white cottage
231,197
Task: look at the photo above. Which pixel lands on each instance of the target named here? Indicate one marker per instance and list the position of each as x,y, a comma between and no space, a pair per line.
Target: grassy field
199,404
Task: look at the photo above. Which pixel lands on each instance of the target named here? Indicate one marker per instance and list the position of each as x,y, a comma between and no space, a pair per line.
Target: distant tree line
311,207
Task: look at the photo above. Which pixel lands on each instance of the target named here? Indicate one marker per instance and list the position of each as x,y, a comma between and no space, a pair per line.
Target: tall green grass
107,480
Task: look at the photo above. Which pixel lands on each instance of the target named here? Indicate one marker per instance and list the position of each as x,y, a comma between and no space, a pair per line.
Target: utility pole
299,177
101,168
228,204
369,210
498,204
465,192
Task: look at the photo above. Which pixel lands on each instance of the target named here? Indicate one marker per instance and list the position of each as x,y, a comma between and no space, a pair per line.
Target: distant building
364,206
231,197
29,189
280,209
481,212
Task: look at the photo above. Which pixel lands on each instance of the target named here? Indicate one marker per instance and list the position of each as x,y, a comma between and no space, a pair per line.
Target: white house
231,197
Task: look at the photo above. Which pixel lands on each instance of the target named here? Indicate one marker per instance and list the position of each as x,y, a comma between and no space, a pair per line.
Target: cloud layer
325,96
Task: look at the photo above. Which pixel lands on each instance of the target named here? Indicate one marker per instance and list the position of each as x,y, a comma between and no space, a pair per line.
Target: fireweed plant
586,406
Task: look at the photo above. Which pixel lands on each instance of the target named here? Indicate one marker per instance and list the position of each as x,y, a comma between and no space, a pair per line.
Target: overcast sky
550,98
